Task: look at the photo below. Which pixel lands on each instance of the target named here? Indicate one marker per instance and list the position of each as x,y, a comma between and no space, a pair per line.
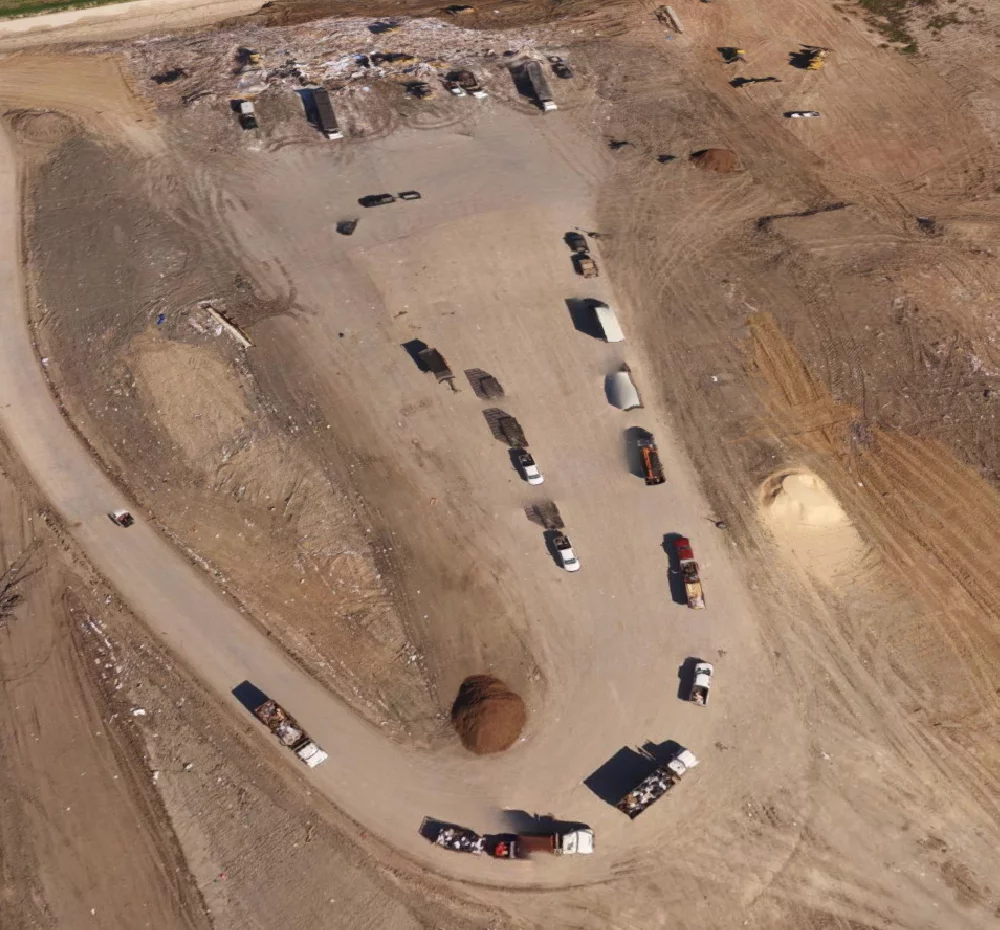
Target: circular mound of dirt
721,160
487,716
806,518
41,126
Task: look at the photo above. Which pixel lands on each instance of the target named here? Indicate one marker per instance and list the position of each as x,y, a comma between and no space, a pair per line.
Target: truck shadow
685,677
633,455
674,577
413,348
522,83
309,106
620,774
581,312
249,695
525,824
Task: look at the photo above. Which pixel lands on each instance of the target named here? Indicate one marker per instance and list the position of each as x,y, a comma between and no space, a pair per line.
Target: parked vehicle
539,85
459,839
577,243
468,82
621,390
248,115
801,114
325,115
513,846
376,200
511,430
560,67
409,195
529,470
435,363
584,265
701,683
651,465
688,568
122,518
565,552
608,320
657,784
289,732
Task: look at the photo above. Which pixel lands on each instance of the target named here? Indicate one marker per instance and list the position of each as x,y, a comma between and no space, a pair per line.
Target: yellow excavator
816,57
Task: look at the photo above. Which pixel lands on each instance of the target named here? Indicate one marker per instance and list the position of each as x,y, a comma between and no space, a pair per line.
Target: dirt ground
825,313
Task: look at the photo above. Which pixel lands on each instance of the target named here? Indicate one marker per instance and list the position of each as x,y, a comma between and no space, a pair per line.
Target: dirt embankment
169,403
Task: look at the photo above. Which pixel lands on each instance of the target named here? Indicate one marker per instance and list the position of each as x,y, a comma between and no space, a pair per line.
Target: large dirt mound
487,716
721,160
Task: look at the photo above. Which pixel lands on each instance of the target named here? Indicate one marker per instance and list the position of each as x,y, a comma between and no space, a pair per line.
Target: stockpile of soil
721,160
487,716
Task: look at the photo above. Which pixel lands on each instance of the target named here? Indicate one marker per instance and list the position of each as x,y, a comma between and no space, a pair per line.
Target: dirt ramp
720,160
487,716
805,515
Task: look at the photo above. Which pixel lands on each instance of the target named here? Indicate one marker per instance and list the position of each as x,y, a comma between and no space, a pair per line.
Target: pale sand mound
487,716
805,516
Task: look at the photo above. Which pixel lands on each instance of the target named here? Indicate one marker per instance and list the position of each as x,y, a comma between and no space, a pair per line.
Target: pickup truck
289,732
526,463
701,683
688,568
564,550
513,846
657,784
584,265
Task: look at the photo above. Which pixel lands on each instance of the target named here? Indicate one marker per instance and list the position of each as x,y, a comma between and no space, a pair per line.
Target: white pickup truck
701,683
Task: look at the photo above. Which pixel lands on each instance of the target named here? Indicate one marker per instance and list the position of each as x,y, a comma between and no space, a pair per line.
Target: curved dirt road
618,680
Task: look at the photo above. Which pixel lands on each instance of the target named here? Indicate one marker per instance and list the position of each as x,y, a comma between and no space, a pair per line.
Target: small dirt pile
720,160
805,515
487,716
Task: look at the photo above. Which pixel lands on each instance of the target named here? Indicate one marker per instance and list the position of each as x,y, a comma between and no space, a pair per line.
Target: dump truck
539,85
325,115
584,265
652,467
567,557
515,846
511,430
459,839
467,81
688,569
657,784
289,732
701,683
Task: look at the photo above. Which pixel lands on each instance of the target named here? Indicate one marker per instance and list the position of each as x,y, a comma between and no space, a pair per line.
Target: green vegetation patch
15,9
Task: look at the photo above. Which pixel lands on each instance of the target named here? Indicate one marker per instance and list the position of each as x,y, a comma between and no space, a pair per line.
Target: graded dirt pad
721,161
487,716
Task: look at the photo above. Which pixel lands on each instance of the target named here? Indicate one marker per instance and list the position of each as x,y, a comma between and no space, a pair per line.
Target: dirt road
118,20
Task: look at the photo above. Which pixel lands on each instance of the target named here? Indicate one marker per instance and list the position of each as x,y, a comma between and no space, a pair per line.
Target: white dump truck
539,85
289,732
521,846
657,784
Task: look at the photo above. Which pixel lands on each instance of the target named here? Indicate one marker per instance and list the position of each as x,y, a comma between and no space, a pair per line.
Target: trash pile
487,716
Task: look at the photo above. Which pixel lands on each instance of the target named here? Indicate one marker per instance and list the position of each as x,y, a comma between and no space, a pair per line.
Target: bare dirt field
814,338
